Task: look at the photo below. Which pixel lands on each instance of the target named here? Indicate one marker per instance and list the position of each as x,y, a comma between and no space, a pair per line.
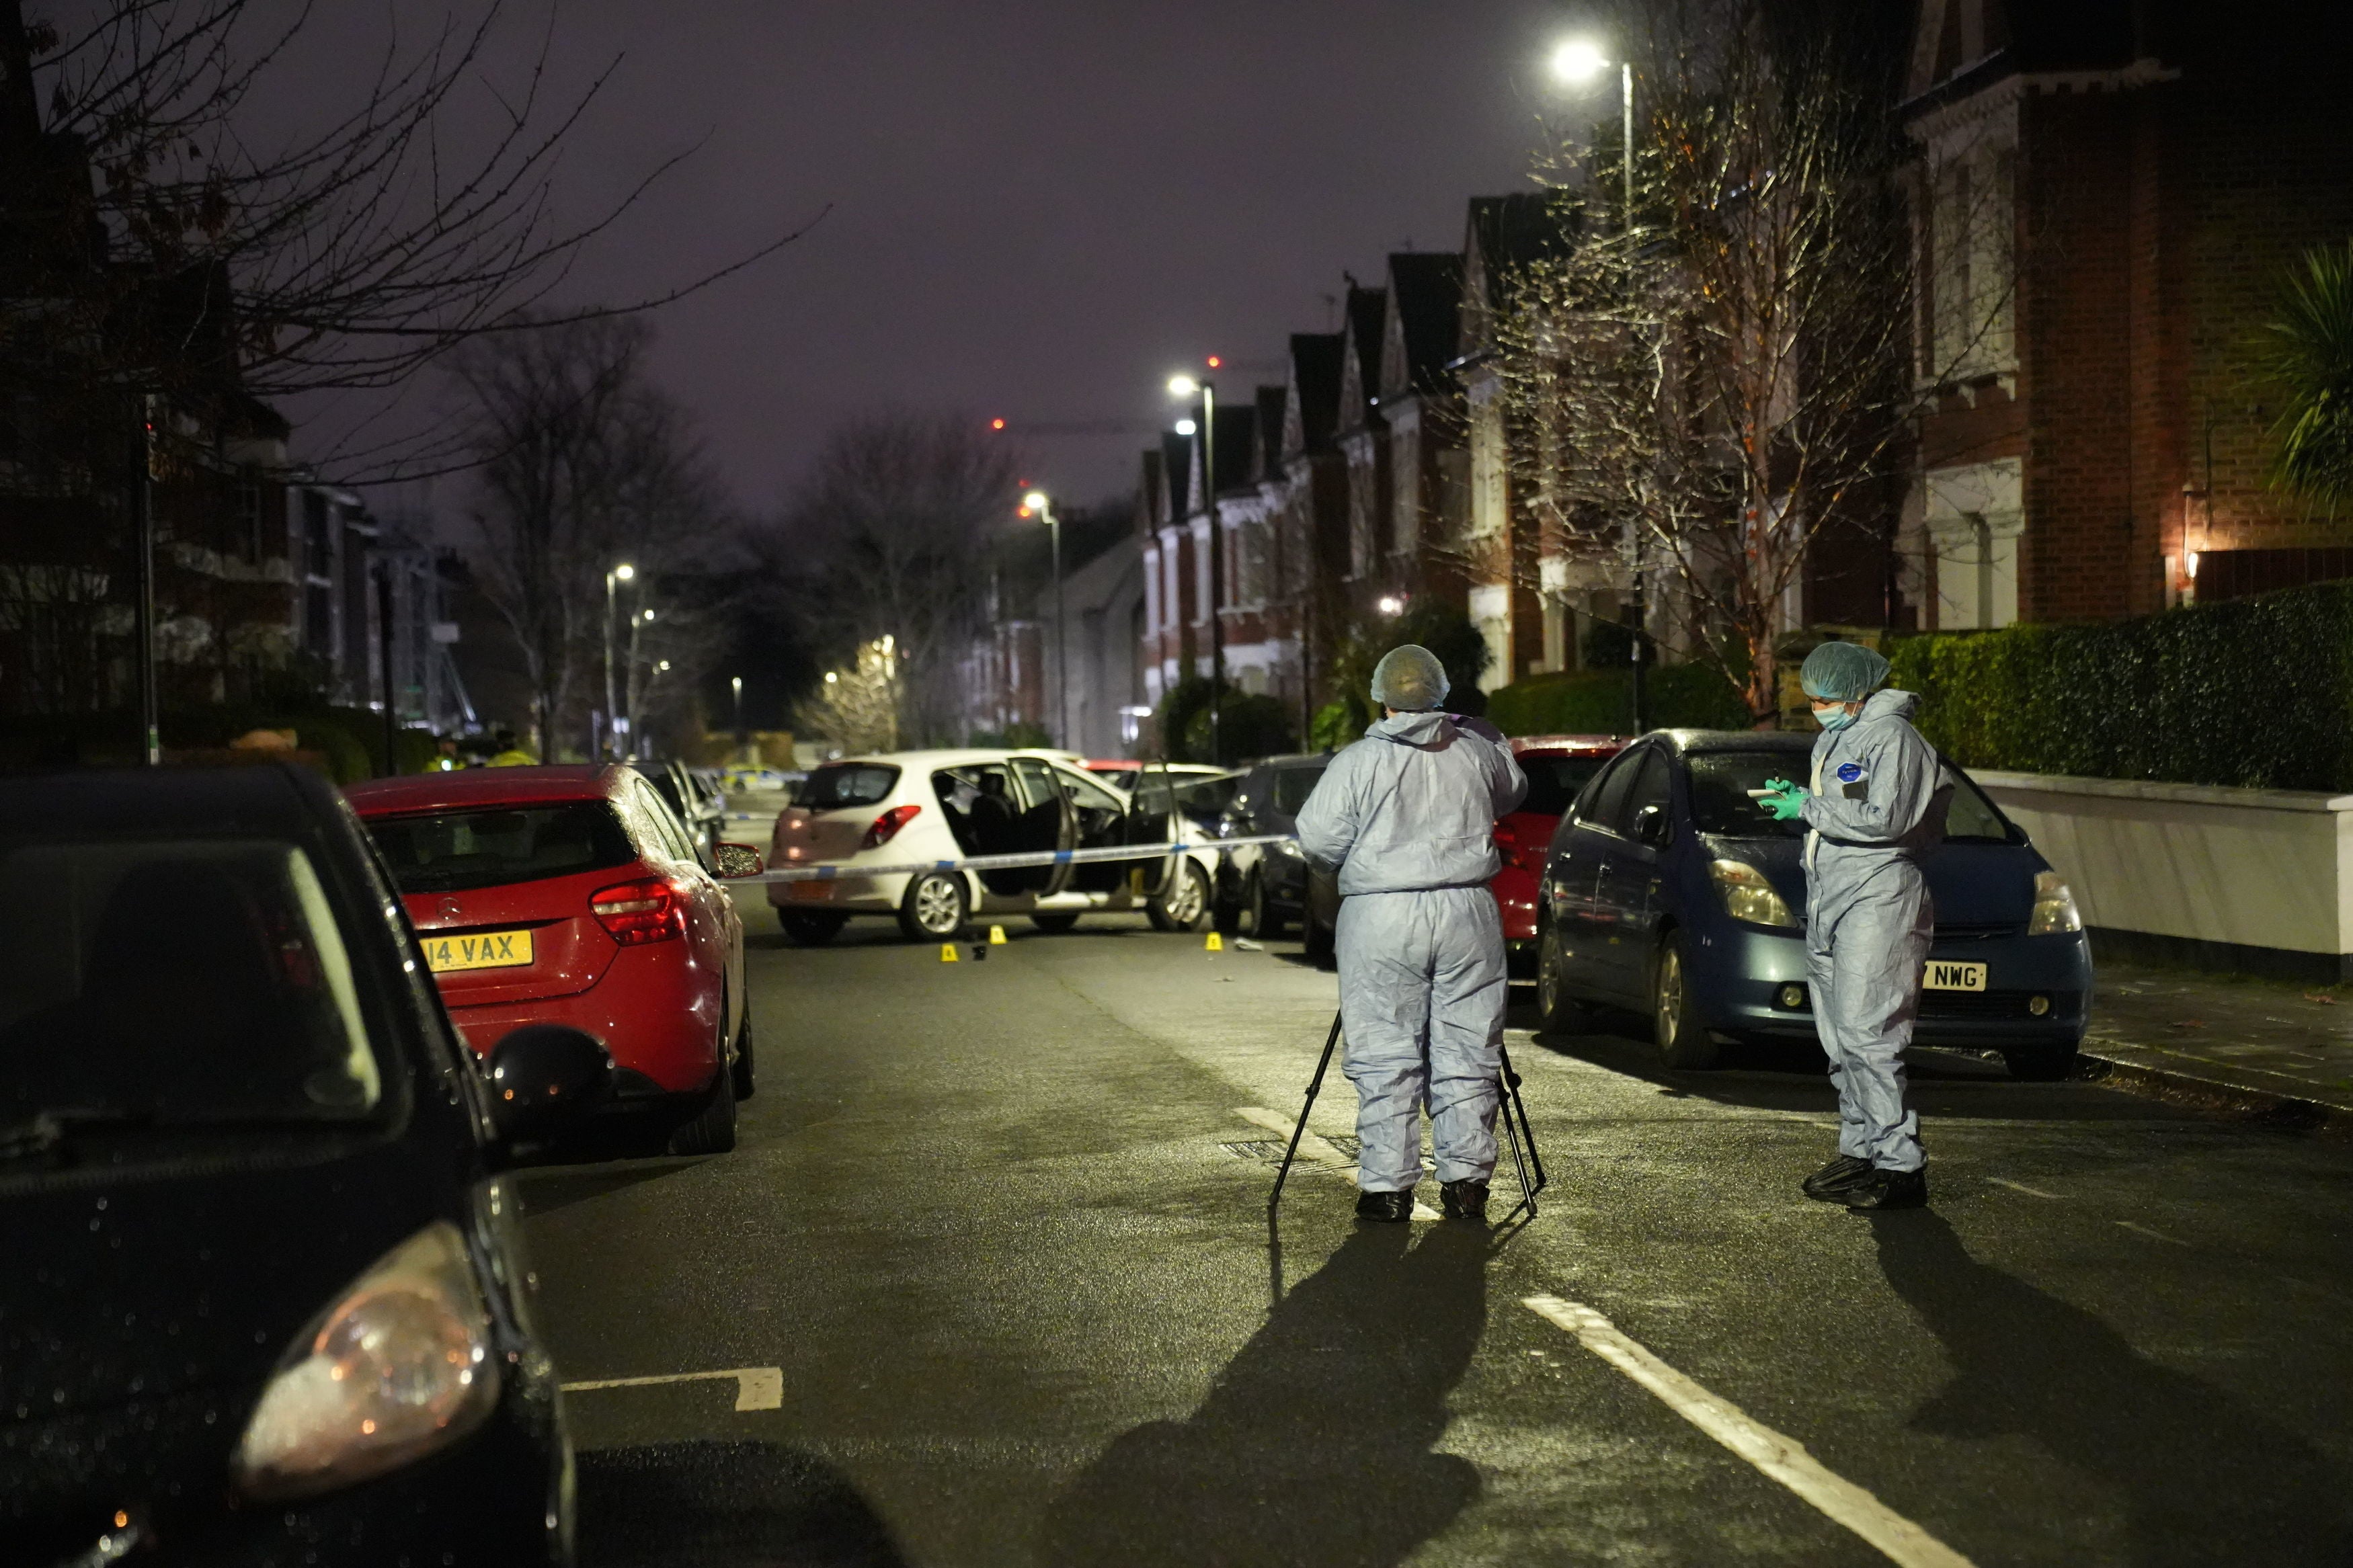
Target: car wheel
1319,940
1184,903
1562,1014
743,1072
1681,1036
933,908
1054,925
1258,914
810,928
2041,1064
713,1129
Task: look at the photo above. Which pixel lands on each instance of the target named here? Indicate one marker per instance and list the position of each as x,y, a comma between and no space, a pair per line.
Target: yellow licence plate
483,949
1956,978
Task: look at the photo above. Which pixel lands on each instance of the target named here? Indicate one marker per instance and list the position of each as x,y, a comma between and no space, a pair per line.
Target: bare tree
583,465
893,536
1702,389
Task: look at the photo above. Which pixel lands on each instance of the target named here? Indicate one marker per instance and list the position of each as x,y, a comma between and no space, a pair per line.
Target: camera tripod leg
1282,1175
1516,1128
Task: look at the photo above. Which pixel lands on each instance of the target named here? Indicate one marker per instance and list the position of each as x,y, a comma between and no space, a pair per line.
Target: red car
1557,766
572,895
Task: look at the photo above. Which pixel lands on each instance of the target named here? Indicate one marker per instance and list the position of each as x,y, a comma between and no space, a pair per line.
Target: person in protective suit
1876,806
1406,818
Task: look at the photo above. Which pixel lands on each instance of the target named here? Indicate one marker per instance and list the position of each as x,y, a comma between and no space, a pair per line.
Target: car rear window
1293,785
844,784
176,982
485,847
1554,781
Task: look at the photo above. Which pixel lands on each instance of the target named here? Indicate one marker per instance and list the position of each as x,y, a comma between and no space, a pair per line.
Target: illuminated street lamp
1185,386
621,573
1040,505
737,682
1390,604
1576,62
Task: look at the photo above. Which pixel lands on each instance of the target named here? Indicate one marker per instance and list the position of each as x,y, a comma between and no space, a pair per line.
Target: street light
620,573
1576,61
1186,386
737,682
1390,604
1040,505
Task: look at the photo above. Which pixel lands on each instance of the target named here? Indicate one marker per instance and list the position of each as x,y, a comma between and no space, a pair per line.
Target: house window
1970,279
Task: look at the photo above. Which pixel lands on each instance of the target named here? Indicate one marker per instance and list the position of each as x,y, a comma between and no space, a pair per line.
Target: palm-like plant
2311,358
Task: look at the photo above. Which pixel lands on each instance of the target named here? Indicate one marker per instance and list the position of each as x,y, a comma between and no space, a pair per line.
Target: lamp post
1040,505
622,572
737,683
1185,386
1576,62
633,688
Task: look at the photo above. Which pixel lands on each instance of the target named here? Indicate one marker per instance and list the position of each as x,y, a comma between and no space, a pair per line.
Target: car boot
1832,1183
1465,1199
1390,1208
1890,1190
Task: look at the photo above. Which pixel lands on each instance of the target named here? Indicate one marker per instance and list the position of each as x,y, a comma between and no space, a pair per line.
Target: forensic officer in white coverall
1406,817
1875,806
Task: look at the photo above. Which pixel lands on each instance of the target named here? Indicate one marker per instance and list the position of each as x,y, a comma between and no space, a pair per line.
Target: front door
1103,821
1045,823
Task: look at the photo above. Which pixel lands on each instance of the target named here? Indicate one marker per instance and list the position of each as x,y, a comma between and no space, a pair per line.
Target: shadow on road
2203,1478
1314,1449
552,1188
714,1504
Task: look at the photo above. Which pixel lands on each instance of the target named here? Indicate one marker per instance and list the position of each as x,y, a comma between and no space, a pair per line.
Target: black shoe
1390,1208
1465,1199
1890,1190
1833,1181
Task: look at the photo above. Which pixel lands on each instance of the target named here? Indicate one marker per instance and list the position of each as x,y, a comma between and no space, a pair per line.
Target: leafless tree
583,465
1712,389
893,535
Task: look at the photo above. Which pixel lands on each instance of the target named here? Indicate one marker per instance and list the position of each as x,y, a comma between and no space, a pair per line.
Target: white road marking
756,1387
1782,1458
2020,1187
1310,1145
2152,1234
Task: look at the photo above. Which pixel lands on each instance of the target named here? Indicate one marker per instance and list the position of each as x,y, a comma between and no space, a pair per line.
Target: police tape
837,871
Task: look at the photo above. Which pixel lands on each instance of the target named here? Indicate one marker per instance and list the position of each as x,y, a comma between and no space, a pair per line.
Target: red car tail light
635,913
886,827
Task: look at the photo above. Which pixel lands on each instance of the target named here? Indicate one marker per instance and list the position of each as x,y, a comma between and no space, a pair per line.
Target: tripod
1517,1130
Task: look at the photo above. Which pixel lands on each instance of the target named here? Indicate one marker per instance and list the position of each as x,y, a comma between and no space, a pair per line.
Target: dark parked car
263,1298
702,809
1262,888
1669,889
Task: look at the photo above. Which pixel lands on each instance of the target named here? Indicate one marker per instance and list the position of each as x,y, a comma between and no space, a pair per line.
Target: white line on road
2021,1187
2152,1234
1782,1458
756,1387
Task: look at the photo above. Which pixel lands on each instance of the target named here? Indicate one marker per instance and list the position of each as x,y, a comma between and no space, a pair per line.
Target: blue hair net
1841,672
1409,678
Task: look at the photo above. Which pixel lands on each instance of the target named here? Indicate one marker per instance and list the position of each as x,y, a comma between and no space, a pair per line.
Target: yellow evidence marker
1216,943
947,952
996,936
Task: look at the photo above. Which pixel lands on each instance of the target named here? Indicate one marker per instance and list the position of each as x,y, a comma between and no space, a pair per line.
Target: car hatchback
572,895
1671,889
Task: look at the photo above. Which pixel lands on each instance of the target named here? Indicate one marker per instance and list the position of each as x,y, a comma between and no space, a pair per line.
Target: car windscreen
1554,781
1293,785
841,786
1971,818
1720,782
489,845
170,981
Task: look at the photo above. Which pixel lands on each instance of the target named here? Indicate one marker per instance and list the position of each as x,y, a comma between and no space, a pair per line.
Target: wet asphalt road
1002,1228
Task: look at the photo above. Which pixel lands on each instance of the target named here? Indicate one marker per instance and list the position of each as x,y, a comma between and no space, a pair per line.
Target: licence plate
484,949
1956,978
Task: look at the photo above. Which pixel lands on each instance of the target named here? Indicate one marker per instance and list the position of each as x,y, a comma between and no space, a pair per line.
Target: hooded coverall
1407,815
1878,806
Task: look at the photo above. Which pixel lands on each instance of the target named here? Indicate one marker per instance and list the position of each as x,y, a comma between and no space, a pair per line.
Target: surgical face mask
1834,717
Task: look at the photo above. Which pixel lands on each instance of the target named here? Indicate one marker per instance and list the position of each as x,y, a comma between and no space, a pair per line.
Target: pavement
990,1281
2264,1048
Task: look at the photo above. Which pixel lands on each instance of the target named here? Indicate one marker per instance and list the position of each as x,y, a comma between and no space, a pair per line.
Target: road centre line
756,1387
2022,1187
1779,1457
2152,1234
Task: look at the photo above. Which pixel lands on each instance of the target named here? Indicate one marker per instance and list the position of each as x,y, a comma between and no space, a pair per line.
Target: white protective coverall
1407,815
1878,806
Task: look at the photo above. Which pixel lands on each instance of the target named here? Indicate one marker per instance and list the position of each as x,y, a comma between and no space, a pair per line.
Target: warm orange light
120,1518
1023,511
997,424
1215,362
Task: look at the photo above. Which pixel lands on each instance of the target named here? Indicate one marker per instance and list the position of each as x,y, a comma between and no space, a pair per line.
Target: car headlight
1289,846
2054,907
398,1366
1748,896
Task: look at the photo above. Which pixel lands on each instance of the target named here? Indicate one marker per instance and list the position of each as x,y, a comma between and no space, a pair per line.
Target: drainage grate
1273,1148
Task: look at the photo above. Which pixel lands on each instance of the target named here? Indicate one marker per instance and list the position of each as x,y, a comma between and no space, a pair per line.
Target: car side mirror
546,1079
736,861
1651,826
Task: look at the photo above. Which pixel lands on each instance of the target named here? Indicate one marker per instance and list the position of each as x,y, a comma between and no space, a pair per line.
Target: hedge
349,740
1601,701
2255,692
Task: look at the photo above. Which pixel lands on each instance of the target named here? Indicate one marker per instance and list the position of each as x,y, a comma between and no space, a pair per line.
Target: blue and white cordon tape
835,870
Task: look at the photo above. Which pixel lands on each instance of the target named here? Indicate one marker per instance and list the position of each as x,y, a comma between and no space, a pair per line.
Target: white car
908,807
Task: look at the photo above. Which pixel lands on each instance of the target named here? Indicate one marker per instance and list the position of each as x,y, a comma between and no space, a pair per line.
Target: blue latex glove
1787,801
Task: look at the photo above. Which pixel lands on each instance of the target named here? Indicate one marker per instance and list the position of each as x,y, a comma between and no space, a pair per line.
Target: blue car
1669,890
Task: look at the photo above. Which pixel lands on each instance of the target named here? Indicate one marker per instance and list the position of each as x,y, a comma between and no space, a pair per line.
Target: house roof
1272,404
1361,359
1315,387
1425,310
1961,46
